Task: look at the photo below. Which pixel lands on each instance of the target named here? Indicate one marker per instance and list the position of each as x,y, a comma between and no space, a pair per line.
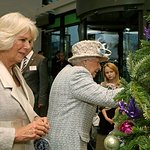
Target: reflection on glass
110,38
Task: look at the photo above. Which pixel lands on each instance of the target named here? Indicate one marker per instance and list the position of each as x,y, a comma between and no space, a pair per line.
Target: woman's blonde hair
13,24
115,69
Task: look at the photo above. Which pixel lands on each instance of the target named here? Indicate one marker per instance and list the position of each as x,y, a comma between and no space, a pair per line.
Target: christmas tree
132,118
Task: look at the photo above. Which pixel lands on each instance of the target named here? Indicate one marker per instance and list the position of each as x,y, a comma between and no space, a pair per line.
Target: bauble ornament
111,142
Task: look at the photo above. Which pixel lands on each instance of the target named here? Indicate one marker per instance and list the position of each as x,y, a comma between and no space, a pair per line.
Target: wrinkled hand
38,128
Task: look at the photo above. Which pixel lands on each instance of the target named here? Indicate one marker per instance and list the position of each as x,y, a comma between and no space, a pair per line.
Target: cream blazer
9,97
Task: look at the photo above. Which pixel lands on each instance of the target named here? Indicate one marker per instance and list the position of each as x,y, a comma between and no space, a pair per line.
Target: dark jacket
36,76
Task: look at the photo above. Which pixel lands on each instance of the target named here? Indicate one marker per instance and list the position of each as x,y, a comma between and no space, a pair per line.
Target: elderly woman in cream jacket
19,124
74,96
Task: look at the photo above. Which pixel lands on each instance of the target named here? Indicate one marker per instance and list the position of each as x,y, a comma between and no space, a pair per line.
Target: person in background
74,97
36,75
19,124
55,60
58,63
41,52
111,81
63,62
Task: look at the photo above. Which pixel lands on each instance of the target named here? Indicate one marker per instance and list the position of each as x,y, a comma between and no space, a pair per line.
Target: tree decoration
132,117
111,143
147,27
147,31
131,110
126,127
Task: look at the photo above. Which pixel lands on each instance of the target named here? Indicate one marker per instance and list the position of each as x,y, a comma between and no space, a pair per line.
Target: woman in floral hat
74,96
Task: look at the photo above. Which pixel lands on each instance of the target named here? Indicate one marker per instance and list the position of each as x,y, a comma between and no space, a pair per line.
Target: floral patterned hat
90,48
